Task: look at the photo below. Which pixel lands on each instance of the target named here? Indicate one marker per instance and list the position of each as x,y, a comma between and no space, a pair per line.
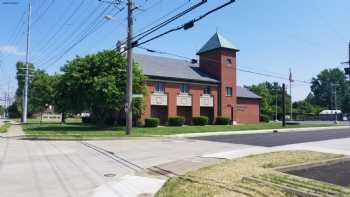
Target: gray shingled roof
163,67
245,93
156,66
217,41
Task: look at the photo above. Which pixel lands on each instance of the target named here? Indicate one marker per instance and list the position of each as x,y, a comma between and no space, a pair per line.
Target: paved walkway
95,168
15,130
132,167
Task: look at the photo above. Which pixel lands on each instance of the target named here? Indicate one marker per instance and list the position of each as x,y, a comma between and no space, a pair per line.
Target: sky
273,36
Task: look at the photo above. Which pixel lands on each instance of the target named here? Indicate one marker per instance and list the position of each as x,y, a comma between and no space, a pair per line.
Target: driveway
93,168
278,139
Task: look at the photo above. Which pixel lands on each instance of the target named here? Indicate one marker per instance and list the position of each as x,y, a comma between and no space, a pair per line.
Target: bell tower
218,59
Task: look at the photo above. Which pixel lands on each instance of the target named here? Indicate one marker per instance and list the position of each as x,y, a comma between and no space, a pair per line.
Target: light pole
26,79
26,82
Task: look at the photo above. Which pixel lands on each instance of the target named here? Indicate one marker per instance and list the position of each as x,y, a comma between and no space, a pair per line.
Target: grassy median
228,178
81,130
77,129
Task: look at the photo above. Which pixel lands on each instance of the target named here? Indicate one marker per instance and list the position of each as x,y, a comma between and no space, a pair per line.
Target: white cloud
11,50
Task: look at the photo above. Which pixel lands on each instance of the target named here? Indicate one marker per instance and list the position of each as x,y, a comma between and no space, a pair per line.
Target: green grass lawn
77,129
4,127
229,178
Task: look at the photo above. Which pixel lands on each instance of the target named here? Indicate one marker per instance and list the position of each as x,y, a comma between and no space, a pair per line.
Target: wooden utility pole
128,105
283,105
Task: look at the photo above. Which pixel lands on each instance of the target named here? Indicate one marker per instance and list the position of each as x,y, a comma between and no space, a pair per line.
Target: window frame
207,92
159,87
229,90
184,88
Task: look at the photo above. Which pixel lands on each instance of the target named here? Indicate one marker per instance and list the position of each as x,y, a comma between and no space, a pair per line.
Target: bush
200,120
152,122
222,121
176,121
87,120
264,118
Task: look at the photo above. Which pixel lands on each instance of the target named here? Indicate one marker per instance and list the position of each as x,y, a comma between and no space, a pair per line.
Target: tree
268,92
40,89
2,110
97,84
324,85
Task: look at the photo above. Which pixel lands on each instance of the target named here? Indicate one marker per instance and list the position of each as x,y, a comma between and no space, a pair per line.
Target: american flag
291,76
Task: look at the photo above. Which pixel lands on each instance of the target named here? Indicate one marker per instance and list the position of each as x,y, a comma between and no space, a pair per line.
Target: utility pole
283,105
26,83
347,69
276,101
291,101
128,105
335,104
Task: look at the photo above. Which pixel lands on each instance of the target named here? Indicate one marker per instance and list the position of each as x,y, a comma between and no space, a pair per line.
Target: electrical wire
242,69
77,35
185,26
92,30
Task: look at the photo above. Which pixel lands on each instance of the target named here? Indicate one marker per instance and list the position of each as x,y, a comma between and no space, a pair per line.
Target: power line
87,33
42,14
70,37
242,69
76,35
185,26
168,21
61,27
164,16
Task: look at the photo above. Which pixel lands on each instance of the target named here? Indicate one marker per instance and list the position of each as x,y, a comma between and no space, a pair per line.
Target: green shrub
200,120
87,120
222,121
176,121
264,118
152,122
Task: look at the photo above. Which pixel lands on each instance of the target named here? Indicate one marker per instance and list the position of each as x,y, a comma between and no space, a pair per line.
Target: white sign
184,100
207,101
159,99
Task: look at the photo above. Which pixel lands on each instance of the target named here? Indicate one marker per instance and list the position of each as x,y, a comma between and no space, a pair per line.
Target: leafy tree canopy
97,84
323,88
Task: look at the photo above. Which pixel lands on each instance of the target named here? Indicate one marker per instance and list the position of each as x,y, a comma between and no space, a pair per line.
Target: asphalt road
278,139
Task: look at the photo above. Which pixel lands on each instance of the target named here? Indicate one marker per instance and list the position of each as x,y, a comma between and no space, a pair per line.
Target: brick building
181,88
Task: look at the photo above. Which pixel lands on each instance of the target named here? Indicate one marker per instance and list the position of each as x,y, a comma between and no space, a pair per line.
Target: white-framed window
228,91
159,87
206,90
184,88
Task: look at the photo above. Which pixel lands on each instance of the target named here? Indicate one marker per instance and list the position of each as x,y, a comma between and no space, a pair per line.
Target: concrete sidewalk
15,130
222,133
337,146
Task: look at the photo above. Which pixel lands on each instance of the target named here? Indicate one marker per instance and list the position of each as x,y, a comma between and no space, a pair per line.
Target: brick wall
172,90
248,110
221,63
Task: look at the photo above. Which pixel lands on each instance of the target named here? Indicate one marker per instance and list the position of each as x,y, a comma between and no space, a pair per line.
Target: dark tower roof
217,41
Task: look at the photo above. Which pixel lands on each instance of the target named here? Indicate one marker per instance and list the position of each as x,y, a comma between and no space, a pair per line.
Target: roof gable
217,41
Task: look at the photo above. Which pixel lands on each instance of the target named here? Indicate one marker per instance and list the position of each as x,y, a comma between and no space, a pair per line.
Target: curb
187,135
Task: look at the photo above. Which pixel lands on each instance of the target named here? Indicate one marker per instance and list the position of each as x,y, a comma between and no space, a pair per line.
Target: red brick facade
248,110
220,64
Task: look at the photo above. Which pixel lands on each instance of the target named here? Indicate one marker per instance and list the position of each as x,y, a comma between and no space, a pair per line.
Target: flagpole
290,89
